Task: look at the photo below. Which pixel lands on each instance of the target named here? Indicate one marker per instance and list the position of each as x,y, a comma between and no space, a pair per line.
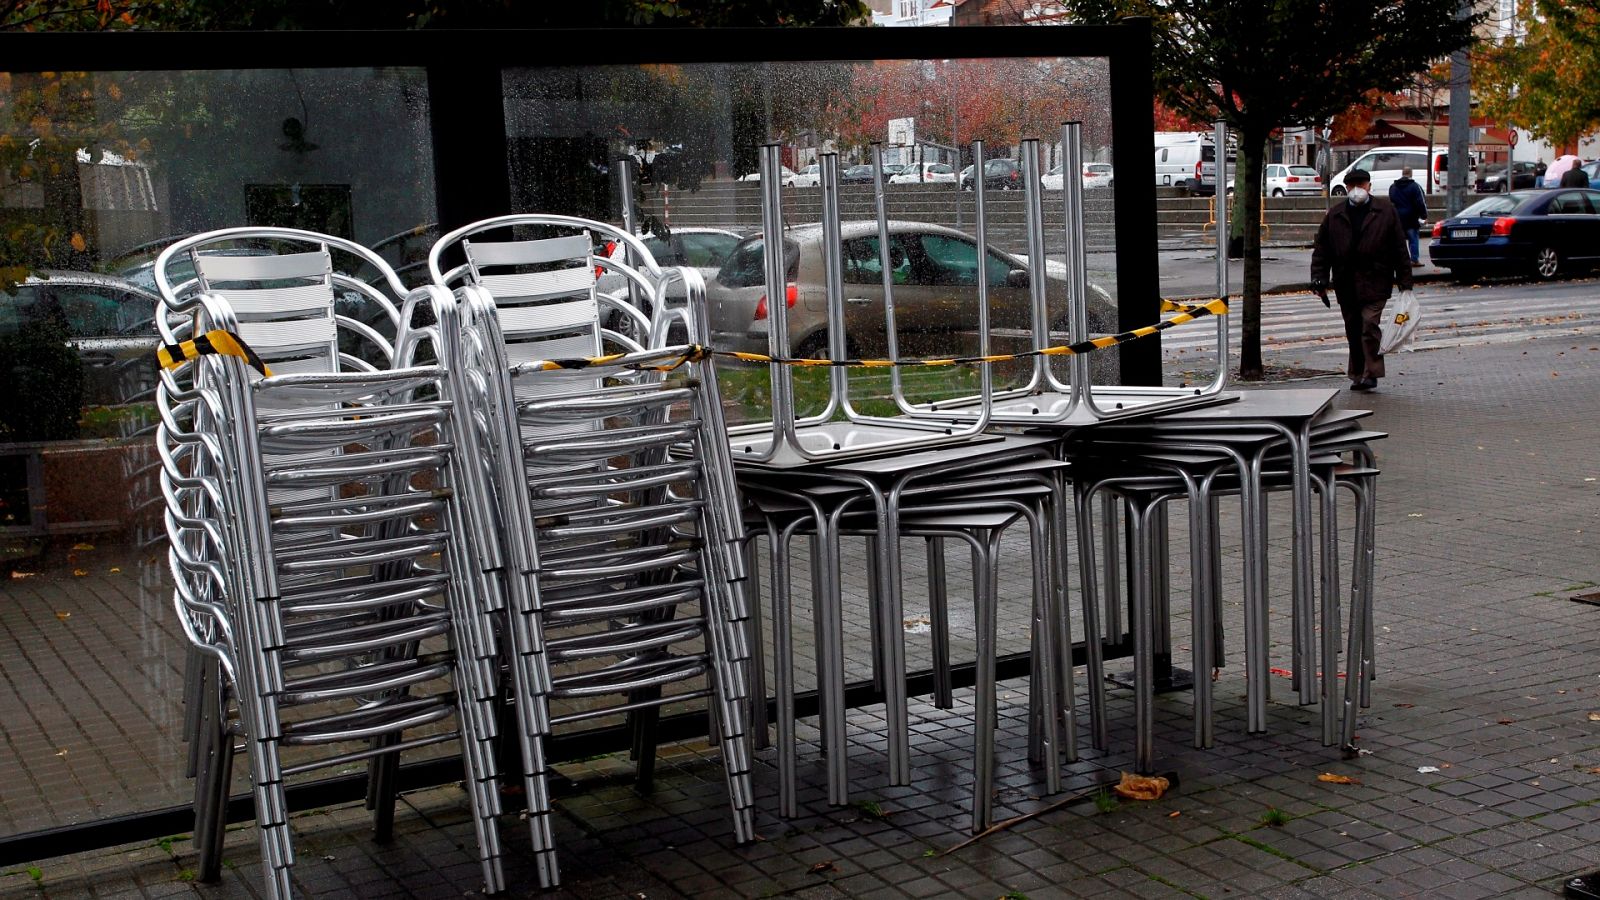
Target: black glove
1319,286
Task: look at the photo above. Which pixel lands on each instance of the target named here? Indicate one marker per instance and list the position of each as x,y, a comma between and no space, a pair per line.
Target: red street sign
1511,137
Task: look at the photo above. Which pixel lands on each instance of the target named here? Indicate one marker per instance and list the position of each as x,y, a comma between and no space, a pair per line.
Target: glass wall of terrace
113,146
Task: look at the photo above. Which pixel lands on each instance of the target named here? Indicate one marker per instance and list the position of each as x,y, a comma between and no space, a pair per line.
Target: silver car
935,273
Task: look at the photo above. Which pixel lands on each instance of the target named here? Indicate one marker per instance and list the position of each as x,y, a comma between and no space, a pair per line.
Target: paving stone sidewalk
1481,781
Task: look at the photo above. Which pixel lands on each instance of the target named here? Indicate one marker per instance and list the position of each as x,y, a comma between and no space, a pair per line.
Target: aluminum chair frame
786,440
525,576
271,454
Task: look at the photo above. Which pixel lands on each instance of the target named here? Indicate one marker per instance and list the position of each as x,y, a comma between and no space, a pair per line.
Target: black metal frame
473,182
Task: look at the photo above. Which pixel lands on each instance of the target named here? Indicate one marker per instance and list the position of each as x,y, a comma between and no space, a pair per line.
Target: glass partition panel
694,131
98,173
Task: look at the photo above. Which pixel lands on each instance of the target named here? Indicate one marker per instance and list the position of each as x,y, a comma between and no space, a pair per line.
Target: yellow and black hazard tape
230,344
1186,314
219,342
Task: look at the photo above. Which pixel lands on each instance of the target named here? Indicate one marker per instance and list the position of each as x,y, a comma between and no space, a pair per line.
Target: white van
1384,165
1181,158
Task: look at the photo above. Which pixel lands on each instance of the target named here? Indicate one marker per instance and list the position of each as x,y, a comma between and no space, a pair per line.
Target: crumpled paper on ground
1141,787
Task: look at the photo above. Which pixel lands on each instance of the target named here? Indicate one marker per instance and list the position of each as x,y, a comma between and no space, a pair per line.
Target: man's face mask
1359,195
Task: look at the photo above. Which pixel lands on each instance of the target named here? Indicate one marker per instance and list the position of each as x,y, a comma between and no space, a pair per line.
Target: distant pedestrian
1538,173
1575,177
1360,251
1411,207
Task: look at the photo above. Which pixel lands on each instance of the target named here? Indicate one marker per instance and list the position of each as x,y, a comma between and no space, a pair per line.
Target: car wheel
815,346
1546,263
1277,192
1338,190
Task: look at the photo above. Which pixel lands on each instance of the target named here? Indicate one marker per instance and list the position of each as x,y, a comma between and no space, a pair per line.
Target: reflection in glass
99,172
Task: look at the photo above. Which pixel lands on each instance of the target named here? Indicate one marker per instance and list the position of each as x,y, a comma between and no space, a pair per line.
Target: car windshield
1303,171
1099,168
1494,206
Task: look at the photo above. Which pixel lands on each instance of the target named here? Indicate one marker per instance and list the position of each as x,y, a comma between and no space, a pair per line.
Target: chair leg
760,732
939,624
986,582
1140,591
1095,673
1330,608
214,775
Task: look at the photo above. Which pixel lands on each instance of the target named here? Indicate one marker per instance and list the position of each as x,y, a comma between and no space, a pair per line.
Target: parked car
1385,164
856,175
1098,175
1095,175
700,248
1291,181
1541,233
935,270
998,175
1493,180
110,322
1592,169
810,176
787,176
890,170
925,173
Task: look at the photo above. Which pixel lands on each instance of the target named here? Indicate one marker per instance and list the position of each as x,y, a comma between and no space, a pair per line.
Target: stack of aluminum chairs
318,532
610,482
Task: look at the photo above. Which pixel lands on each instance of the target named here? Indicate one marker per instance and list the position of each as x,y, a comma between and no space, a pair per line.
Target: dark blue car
1538,233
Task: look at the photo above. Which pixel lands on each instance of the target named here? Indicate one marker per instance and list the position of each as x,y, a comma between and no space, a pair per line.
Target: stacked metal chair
610,483
317,537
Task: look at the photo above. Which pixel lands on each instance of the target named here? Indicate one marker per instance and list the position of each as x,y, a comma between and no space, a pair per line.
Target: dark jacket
1379,259
1575,177
1409,204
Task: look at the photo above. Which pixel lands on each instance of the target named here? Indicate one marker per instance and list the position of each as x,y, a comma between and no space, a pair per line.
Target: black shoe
1365,384
1582,887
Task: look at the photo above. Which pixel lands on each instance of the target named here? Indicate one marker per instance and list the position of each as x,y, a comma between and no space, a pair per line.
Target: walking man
1360,251
1412,208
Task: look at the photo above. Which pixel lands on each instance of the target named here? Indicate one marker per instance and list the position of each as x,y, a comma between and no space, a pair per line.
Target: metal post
1037,283
777,293
1222,216
833,275
1460,122
629,223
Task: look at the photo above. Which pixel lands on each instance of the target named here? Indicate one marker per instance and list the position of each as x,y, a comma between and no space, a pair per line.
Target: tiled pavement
1487,672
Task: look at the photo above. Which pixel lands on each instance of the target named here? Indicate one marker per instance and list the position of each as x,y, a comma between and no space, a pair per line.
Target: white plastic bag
1400,323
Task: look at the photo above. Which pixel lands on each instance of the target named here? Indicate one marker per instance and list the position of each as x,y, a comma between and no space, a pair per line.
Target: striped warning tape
228,343
1185,314
225,343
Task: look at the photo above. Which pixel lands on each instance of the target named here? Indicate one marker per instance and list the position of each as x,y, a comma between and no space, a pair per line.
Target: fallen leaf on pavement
80,572
18,576
1595,771
1141,787
83,546
1174,814
1331,778
63,616
1404,705
1594,717
824,866
62,753
1504,721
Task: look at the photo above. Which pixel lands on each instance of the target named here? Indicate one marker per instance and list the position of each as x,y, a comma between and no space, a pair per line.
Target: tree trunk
1247,187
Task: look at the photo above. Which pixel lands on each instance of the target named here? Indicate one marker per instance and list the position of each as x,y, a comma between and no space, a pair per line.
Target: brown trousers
1363,331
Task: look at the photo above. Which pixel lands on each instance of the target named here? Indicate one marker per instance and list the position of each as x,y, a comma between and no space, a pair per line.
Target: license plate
1460,233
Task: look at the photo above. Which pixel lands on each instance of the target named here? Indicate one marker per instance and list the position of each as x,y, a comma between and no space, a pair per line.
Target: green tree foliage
1546,83
1262,64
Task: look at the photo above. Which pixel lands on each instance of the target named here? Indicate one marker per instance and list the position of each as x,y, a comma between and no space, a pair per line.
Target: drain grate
1592,598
